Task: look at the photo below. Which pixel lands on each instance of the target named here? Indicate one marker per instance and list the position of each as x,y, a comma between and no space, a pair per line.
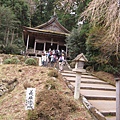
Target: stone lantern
79,65
79,61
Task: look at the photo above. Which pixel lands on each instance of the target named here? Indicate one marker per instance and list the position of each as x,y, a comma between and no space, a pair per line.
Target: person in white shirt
44,59
61,62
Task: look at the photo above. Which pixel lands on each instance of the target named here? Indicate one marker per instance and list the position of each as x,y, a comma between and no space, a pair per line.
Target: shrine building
50,35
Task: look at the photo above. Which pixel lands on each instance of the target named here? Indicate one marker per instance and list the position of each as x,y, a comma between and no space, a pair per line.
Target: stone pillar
117,98
77,85
27,43
77,82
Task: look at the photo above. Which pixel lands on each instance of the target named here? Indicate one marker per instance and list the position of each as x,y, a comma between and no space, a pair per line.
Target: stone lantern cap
81,58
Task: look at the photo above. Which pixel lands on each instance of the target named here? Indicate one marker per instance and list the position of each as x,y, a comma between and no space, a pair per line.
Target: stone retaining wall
7,86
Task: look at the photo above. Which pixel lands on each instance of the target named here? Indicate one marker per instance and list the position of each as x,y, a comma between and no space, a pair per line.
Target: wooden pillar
58,46
34,46
27,43
117,98
44,46
66,49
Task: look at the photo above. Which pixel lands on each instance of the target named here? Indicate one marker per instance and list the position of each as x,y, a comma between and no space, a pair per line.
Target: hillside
54,101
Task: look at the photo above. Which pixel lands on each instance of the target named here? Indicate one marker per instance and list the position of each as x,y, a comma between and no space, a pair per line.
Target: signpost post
117,98
118,79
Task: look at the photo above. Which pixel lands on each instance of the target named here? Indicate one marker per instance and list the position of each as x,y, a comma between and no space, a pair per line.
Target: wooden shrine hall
50,35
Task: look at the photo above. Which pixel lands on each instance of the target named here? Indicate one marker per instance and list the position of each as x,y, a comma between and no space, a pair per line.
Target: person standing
61,62
44,58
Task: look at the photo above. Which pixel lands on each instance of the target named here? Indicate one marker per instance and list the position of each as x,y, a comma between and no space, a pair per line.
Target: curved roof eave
46,31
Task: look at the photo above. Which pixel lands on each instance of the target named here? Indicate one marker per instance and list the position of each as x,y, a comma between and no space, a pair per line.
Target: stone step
73,75
68,74
84,80
107,113
92,88
96,86
71,72
88,77
106,107
110,117
92,82
98,95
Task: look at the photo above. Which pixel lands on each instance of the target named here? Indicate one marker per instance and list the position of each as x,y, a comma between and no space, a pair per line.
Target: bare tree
106,13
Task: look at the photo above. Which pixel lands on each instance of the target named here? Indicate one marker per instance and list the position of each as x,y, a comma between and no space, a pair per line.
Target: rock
1,92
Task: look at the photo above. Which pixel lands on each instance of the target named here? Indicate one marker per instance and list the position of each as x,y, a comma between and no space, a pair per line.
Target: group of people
52,57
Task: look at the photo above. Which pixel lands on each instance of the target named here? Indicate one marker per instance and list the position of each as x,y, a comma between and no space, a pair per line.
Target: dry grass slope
54,101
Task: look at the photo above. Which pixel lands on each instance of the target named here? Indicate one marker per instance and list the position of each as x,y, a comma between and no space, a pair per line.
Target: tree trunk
7,36
12,38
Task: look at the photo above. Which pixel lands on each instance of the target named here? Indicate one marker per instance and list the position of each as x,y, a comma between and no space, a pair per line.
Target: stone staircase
98,96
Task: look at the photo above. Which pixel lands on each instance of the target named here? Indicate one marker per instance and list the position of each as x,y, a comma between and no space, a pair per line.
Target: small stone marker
30,98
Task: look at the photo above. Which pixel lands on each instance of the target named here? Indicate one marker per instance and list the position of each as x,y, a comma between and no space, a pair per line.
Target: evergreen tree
76,41
21,10
44,11
66,13
7,24
14,15
77,38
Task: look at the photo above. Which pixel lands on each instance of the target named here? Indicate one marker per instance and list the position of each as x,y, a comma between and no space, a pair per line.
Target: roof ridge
53,19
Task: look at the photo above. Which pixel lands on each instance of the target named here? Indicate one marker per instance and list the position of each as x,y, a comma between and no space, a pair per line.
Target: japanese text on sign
30,99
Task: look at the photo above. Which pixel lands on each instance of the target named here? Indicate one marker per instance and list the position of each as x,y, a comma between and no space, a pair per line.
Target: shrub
32,115
7,61
13,60
11,49
51,105
31,61
53,73
51,85
72,64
